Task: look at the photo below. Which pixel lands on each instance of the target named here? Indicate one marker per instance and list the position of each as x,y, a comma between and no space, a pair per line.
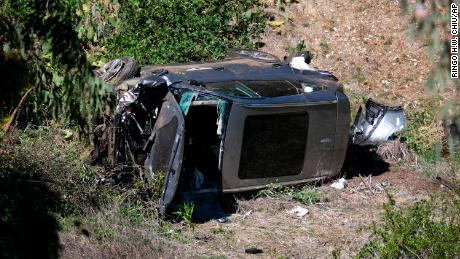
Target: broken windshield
259,89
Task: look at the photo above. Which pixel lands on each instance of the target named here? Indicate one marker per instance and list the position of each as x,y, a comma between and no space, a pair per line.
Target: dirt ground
343,223
340,224
366,45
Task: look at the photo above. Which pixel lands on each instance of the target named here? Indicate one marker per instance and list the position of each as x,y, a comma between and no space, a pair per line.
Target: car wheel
129,70
118,70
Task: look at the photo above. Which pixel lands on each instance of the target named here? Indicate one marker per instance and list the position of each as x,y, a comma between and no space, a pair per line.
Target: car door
167,149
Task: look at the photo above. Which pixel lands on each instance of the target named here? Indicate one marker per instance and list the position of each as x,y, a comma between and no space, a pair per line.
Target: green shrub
41,51
421,134
160,31
426,229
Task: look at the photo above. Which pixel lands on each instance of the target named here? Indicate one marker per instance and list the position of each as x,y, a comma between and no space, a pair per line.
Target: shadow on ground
27,227
363,160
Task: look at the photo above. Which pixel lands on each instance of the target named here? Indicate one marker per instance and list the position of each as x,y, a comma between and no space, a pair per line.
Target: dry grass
343,223
368,42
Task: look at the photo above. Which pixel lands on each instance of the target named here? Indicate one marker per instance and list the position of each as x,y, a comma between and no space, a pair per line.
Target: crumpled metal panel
132,94
378,124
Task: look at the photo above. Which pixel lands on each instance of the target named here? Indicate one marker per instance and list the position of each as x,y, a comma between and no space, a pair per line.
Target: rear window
258,89
273,145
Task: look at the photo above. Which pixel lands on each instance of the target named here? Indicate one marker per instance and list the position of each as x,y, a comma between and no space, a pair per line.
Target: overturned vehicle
239,124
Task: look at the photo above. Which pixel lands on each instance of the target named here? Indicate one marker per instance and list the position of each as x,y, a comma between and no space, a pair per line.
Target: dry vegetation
365,44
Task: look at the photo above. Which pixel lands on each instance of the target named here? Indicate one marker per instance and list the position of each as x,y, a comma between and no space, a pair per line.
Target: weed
421,134
133,214
324,47
307,196
103,233
293,50
167,229
185,214
336,253
273,191
156,184
359,75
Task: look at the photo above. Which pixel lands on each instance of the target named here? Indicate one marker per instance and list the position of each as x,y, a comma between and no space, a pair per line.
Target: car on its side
241,124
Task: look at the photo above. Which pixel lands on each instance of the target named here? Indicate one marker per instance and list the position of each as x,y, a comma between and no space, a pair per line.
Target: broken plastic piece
300,64
298,211
223,220
339,184
378,124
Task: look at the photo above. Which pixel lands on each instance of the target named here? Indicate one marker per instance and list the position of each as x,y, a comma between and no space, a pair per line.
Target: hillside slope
366,44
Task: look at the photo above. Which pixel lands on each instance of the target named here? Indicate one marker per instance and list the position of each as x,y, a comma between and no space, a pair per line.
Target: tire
129,70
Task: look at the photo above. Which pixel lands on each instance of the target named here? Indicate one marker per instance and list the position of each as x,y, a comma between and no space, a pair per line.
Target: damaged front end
379,123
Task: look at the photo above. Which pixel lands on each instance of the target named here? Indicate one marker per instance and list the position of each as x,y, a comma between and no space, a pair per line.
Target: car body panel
167,149
378,124
318,158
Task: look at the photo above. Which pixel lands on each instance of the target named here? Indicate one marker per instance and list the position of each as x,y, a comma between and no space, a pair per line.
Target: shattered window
273,145
257,89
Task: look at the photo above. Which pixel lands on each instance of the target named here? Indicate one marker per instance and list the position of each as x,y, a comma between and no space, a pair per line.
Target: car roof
240,69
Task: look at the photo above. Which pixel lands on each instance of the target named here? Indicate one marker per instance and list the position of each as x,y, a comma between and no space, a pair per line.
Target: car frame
243,123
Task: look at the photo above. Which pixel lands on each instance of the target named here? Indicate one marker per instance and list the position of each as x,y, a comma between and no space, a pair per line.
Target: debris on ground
253,250
339,184
298,211
223,220
367,188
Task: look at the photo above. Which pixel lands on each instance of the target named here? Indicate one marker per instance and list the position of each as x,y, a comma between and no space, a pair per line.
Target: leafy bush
51,61
429,20
426,229
160,31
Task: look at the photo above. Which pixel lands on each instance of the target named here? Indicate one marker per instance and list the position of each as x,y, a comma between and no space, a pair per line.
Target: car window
261,89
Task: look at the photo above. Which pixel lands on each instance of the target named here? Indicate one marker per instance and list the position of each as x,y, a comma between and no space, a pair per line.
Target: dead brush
393,151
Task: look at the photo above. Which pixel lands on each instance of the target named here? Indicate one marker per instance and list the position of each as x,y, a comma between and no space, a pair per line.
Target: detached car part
377,124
